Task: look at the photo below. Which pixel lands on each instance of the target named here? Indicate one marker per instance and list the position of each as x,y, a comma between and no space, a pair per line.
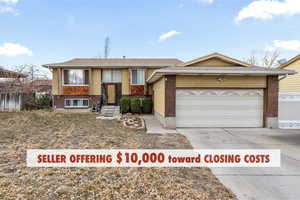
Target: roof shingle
117,62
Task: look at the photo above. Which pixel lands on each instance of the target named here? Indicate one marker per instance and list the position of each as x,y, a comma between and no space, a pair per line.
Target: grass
50,130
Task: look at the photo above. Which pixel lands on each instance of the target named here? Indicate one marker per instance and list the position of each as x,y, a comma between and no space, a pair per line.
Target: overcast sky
46,31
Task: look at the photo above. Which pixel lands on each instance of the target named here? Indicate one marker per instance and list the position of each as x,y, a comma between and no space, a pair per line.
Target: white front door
219,108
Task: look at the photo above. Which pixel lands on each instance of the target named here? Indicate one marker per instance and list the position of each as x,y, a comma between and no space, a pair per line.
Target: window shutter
66,76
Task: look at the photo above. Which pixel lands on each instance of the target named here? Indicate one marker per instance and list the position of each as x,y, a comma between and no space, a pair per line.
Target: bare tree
268,59
34,72
106,47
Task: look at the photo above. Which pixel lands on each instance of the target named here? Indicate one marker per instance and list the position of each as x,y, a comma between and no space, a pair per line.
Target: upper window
112,76
138,77
76,77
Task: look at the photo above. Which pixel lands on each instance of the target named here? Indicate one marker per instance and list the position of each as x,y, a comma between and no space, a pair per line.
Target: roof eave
287,63
218,72
109,66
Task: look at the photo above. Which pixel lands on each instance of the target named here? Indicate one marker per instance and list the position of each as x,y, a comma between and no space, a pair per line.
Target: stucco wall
292,82
228,82
159,97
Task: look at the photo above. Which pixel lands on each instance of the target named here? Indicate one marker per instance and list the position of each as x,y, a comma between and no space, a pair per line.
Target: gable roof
117,62
237,68
289,62
224,58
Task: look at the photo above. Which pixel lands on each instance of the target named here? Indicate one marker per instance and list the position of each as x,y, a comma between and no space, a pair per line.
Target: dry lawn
50,130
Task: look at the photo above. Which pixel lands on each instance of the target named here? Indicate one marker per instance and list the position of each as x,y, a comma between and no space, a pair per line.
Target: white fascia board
222,72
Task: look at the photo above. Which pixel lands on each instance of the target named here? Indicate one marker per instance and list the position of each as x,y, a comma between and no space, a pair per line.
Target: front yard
50,130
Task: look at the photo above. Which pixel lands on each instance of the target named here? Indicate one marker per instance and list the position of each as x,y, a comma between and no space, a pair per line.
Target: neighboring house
11,97
42,86
289,97
39,87
212,91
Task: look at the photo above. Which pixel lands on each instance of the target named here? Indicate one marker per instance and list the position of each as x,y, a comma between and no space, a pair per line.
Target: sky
47,31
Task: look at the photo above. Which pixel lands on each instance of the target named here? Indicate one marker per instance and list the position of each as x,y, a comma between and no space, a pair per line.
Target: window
76,77
112,76
137,77
73,103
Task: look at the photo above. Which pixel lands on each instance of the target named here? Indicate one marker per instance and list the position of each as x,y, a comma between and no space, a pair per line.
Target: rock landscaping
133,121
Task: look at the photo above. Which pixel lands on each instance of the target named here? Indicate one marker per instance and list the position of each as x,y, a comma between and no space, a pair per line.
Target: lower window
75,103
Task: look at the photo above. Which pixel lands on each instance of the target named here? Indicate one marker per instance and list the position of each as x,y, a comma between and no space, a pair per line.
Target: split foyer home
289,96
211,91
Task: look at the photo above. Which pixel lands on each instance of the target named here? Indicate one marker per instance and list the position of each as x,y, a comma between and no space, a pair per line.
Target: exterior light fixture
221,79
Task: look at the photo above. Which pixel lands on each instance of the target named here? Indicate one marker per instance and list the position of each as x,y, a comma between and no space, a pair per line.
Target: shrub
135,105
147,106
42,102
30,103
125,105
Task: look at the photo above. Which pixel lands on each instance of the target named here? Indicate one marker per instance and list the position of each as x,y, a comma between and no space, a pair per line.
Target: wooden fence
13,101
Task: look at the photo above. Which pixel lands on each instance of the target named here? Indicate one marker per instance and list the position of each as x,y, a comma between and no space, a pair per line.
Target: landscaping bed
133,121
51,130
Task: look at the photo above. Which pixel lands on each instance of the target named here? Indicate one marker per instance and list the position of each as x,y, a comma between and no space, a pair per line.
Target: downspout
283,77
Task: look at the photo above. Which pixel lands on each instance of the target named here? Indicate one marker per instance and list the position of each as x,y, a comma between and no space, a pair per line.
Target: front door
111,94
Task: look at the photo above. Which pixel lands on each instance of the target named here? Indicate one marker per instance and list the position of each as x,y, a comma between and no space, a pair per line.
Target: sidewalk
153,126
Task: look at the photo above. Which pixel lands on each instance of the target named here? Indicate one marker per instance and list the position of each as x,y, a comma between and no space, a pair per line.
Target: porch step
109,112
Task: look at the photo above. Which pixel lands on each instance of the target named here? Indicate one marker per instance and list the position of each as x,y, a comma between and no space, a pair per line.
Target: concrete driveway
255,183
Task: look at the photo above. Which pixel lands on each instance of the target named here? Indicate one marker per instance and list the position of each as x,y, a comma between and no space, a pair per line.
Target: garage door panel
219,108
212,124
221,115
214,101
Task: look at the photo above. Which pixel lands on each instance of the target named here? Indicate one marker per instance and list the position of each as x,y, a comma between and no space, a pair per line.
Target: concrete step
110,111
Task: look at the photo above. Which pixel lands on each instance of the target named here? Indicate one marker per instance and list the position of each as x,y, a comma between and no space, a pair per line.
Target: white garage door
219,108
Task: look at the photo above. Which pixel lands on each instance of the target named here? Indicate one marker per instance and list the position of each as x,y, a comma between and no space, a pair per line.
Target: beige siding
292,82
55,81
213,82
125,82
159,97
95,82
212,62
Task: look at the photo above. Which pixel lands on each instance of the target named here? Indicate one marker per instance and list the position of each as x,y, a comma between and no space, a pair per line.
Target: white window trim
132,79
63,78
76,106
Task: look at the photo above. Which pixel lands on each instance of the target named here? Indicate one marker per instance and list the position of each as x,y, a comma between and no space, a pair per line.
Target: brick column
170,101
271,102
